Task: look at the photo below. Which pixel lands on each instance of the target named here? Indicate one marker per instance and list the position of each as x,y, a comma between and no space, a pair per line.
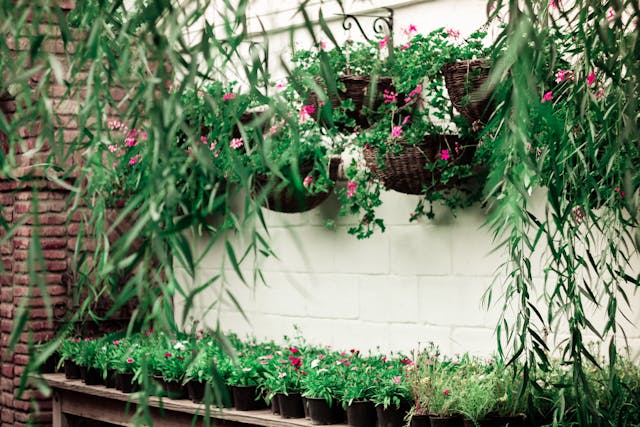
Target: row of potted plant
425,388
389,105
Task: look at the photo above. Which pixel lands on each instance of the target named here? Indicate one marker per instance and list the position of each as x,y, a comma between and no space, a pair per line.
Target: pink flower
282,374
553,4
406,46
611,13
308,180
294,350
113,148
384,358
203,139
453,33
397,380
410,29
591,78
269,356
389,96
306,111
384,42
351,189
282,85
130,360
264,362
213,146
228,96
444,155
321,356
562,75
295,361
323,45
273,129
116,342
135,159
600,93
547,97
130,142
446,392
406,120
168,354
617,190
414,92
236,143
396,131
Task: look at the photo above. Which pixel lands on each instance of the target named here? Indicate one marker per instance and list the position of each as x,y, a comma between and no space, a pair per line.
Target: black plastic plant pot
361,413
305,405
83,372
125,382
173,389
245,398
391,416
110,380
93,376
291,405
321,413
195,390
49,366
420,421
275,405
446,421
71,370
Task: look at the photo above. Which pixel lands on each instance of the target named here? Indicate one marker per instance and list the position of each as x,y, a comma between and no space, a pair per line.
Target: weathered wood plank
113,406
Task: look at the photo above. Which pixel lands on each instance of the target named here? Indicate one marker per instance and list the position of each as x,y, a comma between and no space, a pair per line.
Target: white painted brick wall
415,283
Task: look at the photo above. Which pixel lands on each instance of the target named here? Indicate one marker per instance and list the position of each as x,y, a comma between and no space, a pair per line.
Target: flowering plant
69,349
325,378
389,384
171,360
286,377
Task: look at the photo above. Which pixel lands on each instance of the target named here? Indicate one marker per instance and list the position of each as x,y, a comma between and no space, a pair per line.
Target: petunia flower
384,42
591,78
453,33
547,97
228,96
308,180
130,360
351,189
444,155
396,131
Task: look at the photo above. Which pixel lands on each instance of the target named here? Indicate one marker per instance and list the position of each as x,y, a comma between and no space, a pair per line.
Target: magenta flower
236,143
611,13
282,85
308,180
446,392
116,342
384,42
323,45
213,146
384,358
591,78
294,350
444,155
203,139
135,159
306,111
228,96
396,131
351,189
553,4
130,360
547,97
389,96
113,148
406,120
600,93
410,29
167,354
130,141
397,380
406,46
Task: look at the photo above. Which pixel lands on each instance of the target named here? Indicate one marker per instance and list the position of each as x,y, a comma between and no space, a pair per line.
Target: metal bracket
382,24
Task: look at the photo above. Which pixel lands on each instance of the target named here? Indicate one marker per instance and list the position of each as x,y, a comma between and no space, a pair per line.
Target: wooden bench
75,398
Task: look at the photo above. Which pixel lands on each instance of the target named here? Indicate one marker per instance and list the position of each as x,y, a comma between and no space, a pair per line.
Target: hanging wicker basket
360,91
405,172
465,80
286,197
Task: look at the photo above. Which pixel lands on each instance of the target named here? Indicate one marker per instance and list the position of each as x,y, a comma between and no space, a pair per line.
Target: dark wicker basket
405,172
288,199
464,80
358,89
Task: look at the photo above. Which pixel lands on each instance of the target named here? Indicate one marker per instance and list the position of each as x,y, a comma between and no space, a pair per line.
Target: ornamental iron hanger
382,24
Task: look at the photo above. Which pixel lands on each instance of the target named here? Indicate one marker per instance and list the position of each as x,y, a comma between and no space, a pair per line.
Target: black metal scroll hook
381,25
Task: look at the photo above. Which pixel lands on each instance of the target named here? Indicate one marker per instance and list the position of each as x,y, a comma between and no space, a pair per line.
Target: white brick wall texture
415,283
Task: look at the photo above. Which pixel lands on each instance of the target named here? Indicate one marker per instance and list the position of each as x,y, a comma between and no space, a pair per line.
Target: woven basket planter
359,90
464,80
405,172
286,198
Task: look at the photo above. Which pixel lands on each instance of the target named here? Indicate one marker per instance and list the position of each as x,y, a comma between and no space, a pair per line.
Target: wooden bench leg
59,418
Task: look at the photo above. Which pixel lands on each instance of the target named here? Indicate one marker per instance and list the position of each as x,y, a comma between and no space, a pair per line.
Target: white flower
179,346
246,369
315,363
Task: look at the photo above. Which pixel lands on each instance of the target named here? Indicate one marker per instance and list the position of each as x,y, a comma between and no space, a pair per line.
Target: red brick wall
57,233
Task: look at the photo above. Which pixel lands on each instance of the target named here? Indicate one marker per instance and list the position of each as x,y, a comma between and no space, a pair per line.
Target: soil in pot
71,370
321,413
93,376
447,421
124,382
291,405
246,398
420,421
195,389
361,413
392,416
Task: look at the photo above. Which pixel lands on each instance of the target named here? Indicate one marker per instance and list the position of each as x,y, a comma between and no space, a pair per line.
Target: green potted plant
127,355
285,382
391,394
169,363
323,386
244,378
86,359
69,349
